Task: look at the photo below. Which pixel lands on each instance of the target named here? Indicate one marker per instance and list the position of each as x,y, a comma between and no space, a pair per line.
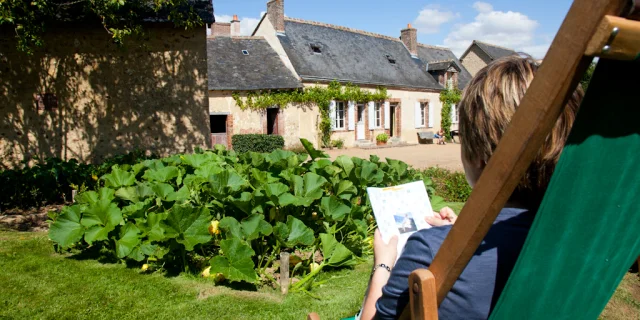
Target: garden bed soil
32,220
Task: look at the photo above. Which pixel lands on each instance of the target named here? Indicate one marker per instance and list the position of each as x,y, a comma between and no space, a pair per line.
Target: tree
120,18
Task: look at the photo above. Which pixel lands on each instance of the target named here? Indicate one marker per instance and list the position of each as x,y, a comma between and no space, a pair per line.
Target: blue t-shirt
478,288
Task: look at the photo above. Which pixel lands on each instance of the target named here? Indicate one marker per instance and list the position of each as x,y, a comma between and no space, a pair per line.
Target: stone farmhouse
290,54
480,54
81,96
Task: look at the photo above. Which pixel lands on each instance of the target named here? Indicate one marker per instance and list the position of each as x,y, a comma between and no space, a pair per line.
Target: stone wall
475,60
149,95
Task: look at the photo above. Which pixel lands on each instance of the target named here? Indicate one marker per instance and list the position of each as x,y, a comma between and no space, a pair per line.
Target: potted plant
382,139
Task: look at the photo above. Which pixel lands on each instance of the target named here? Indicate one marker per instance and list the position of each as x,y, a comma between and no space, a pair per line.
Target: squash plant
160,211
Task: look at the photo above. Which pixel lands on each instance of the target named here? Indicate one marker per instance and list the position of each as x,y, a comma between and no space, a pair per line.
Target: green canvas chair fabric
587,230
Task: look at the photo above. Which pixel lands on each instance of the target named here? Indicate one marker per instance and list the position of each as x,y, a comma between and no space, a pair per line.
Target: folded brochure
400,210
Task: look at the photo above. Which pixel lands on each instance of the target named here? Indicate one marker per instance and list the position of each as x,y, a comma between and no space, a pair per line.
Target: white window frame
377,115
340,116
454,114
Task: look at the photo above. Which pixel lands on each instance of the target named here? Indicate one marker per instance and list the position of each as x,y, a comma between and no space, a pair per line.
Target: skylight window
391,59
245,52
315,48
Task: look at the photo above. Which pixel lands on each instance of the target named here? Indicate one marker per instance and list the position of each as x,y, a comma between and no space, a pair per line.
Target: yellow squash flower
213,227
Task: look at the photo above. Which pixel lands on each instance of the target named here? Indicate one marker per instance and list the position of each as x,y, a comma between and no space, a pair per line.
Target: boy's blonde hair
485,111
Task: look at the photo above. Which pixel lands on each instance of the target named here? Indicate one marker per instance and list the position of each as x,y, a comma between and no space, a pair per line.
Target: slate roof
145,12
442,65
354,56
230,69
432,54
494,52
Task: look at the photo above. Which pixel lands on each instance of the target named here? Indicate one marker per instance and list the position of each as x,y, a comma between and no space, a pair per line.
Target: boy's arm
384,258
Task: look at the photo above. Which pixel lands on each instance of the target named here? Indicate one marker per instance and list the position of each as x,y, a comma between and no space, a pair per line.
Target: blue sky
527,26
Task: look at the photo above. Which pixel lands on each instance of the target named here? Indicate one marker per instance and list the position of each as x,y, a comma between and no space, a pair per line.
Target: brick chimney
410,38
275,11
235,26
220,29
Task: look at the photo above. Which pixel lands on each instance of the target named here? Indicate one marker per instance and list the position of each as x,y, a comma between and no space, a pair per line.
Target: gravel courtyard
418,156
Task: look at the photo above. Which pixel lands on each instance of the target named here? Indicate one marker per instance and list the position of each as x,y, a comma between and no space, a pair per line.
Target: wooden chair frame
591,28
604,28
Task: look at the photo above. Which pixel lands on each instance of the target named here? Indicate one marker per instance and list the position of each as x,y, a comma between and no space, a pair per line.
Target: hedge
257,142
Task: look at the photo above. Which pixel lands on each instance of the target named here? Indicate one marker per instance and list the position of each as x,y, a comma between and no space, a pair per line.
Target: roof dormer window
245,52
391,59
315,48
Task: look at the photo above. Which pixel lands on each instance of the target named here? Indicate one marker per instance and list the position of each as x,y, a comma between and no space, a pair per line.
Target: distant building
286,53
82,96
479,54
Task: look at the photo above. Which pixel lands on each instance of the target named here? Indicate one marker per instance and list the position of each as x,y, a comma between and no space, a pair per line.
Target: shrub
450,185
383,137
256,142
337,143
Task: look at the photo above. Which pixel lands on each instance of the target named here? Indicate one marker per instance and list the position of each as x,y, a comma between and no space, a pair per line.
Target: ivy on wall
450,96
320,96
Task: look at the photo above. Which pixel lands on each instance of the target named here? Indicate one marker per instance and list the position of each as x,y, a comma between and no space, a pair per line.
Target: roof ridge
493,45
333,26
439,61
433,47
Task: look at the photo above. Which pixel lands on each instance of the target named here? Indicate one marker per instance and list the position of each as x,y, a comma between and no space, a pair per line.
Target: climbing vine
451,95
320,96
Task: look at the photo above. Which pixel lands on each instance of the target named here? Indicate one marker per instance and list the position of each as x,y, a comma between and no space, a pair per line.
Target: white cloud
482,6
509,29
431,18
247,25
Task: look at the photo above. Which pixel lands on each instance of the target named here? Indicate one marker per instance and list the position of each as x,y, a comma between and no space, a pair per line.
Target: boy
485,111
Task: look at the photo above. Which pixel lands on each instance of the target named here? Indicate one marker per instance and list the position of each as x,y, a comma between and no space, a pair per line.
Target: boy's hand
446,216
384,252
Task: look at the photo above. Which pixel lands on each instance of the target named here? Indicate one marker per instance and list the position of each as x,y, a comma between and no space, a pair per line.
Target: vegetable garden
232,214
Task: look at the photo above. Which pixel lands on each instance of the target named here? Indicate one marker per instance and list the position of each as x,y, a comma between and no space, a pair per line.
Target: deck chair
586,232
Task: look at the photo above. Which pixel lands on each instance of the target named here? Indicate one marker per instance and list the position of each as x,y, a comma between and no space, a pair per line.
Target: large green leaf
136,210
255,226
259,177
143,250
335,253
282,159
181,195
333,208
118,178
188,225
236,264
197,160
369,174
250,228
399,168
244,202
273,191
92,197
129,238
345,189
101,218
162,174
308,188
345,163
208,169
312,151
162,190
226,182
128,193
67,230
152,227
293,233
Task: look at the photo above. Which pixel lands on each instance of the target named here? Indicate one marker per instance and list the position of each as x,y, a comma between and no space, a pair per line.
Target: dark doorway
218,129
392,118
272,121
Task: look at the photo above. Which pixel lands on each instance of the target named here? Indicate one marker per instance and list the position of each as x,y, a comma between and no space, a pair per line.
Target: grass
37,283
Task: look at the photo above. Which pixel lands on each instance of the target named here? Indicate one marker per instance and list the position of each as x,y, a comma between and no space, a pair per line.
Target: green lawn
37,283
